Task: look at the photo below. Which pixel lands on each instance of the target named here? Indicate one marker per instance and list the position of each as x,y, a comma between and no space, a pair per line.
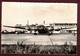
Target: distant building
65,24
73,28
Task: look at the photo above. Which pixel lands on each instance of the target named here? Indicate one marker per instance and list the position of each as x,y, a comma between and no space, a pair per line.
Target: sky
19,12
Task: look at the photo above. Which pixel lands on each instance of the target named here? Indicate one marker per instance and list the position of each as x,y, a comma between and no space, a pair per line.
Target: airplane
38,29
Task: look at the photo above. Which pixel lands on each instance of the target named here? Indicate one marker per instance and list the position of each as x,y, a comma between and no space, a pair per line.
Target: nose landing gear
35,32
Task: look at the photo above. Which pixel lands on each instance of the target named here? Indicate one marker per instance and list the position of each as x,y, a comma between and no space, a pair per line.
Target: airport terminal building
73,28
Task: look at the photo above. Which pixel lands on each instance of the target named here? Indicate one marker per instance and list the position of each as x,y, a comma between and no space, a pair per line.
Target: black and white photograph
39,28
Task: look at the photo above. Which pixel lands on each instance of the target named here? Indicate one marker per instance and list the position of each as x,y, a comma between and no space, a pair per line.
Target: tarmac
55,39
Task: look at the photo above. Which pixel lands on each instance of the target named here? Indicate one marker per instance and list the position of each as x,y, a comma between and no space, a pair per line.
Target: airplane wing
35,28
14,27
22,27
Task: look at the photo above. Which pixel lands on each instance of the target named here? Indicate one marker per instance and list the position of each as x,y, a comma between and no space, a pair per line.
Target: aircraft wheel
49,34
17,32
35,33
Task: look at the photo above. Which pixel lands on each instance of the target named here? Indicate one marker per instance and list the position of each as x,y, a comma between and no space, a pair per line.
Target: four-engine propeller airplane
38,29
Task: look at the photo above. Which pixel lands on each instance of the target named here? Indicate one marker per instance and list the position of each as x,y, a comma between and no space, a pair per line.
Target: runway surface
58,39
